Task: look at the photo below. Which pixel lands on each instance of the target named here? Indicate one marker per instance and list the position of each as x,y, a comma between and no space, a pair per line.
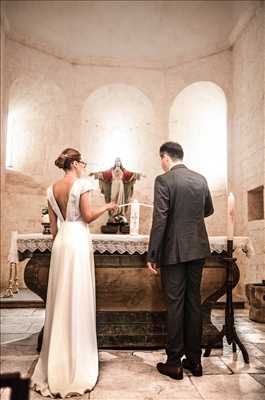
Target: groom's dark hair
173,149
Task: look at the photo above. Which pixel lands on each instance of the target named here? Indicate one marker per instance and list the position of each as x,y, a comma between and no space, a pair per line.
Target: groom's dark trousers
179,244
181,285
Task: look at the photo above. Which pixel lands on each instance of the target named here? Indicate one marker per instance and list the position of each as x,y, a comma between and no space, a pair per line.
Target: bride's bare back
61,191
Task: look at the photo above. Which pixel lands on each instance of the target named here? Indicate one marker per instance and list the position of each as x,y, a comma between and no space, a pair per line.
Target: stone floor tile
126,375
13,350
121,353
25,346
17,364
242,312
237,365
230,387
137,377
243,321
215,353
214,366
5,319
39,312
257,325
30,340
138,380
227,350
14,312
160,393
15,327
118,355
35,327
261,329
254,350
220,313
150,358
259,378
12,337
102,394
251,348
243,329
106,356
262,359
261,346
36,396
179,392
254,338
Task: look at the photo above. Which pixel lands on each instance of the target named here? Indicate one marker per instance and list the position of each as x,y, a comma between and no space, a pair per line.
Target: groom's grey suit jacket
181,201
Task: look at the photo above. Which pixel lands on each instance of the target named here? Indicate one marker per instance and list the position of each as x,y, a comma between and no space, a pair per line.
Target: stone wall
247,156
57,104
3,114
49,104
217,69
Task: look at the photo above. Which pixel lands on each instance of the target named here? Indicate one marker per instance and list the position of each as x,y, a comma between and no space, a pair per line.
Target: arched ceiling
159,33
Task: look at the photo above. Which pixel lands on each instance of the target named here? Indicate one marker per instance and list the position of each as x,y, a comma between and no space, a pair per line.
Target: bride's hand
111,206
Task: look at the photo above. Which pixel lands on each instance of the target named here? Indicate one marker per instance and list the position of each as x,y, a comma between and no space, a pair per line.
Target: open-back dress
68,362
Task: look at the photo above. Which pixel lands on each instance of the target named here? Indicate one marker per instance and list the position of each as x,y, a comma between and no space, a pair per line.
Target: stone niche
256,203
256,297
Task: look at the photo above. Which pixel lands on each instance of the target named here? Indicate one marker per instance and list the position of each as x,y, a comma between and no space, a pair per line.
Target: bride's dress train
68,362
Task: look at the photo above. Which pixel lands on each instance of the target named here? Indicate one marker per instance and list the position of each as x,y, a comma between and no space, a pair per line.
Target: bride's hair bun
66,158
59,162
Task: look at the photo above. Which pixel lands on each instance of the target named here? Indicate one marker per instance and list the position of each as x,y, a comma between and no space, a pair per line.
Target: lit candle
134,218
230,216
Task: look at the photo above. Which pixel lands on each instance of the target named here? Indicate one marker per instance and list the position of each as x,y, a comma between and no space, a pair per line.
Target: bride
68,362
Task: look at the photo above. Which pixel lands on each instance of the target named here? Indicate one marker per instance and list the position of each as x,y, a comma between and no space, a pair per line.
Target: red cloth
107,175
126,177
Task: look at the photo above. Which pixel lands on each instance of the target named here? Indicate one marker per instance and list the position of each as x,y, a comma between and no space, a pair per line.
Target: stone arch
198,120
37,127
117,121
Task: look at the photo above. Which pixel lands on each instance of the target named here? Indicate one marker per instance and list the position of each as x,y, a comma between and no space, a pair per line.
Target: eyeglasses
83,163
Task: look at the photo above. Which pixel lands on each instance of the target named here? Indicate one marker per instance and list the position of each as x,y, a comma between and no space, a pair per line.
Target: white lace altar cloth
121,244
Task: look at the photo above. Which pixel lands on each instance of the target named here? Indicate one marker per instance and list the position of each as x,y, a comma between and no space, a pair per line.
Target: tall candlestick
230,216
134,218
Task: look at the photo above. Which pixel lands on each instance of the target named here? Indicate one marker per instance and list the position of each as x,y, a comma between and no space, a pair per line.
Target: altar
131,310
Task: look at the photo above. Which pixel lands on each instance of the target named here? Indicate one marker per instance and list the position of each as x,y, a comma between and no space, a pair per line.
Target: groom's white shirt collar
175,164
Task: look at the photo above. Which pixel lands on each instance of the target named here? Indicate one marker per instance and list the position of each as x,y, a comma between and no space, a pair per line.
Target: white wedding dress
68,362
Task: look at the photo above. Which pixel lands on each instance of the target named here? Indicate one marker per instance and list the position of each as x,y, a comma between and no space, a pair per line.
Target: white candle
230,216
134,218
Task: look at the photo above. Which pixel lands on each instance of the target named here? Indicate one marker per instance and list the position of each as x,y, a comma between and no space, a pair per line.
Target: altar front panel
131,310
123,283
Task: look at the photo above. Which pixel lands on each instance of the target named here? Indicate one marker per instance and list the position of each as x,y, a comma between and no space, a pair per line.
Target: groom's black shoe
193,367
170,370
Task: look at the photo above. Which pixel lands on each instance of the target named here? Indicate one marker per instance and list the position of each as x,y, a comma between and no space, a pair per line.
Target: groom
179,245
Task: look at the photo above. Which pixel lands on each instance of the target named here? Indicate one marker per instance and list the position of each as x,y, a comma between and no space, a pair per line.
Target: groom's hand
152,267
